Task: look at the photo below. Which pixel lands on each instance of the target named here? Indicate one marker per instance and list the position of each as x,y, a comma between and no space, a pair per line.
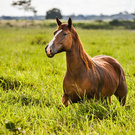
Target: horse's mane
84,56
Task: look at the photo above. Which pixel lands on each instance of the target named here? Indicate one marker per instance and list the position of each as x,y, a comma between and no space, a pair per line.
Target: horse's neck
75,62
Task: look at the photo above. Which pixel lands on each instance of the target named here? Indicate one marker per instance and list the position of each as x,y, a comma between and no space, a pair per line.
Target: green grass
31,85
98,24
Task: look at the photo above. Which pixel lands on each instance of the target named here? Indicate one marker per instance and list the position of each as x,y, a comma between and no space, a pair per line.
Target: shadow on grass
8,83
29,100
97,110
11,126
94,110
25,99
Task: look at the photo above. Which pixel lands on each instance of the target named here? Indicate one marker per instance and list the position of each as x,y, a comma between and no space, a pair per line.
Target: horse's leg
65,100
108,100
121,92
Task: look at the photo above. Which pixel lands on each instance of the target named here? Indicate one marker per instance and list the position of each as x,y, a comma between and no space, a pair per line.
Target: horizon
64,15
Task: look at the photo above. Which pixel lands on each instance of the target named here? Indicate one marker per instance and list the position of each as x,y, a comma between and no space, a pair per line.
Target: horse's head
62,40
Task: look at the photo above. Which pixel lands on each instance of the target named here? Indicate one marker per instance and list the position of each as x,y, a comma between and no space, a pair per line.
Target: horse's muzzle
49,52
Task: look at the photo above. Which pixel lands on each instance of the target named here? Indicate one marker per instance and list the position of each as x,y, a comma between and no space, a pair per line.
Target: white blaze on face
51,42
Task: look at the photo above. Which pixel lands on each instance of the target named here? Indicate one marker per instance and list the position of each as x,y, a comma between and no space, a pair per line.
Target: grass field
31,85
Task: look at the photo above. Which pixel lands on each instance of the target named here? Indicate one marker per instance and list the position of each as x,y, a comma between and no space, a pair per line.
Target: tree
25,5
51,14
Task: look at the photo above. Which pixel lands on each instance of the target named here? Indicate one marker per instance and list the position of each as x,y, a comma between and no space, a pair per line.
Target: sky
68,7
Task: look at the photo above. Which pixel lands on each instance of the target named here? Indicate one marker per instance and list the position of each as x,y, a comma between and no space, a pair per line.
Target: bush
91,25
39,40
115,22
9,24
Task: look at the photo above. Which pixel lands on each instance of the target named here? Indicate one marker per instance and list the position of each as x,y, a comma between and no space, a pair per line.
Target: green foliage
124,24
96,25
40,40
53,13
115,24
31,84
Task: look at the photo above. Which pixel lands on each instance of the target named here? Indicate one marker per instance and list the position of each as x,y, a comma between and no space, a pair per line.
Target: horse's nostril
51,50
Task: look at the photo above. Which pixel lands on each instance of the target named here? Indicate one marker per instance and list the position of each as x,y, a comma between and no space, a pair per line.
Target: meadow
31,84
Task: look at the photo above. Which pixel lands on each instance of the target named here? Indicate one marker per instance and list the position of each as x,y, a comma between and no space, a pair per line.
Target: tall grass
31,85
98,24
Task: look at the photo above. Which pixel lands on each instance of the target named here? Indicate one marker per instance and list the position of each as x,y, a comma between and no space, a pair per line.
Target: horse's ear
58,21
69,23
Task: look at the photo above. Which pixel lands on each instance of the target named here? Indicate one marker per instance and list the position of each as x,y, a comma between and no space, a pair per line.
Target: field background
31,83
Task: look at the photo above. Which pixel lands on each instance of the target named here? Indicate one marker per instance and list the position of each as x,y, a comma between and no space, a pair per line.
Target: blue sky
68,7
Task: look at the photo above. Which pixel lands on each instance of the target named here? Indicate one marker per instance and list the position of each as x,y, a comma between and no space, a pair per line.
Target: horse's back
104,61
114,76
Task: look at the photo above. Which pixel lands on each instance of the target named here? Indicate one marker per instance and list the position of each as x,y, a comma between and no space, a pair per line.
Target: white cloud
86,6
72,6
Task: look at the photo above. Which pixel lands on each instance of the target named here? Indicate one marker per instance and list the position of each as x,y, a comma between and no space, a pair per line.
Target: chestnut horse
98,77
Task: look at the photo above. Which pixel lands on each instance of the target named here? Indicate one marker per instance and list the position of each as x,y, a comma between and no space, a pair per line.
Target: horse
99,77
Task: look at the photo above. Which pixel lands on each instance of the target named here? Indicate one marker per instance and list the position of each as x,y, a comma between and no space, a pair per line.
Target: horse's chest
78,86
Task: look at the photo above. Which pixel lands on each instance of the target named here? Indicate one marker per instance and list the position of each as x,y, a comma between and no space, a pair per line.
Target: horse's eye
64,34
